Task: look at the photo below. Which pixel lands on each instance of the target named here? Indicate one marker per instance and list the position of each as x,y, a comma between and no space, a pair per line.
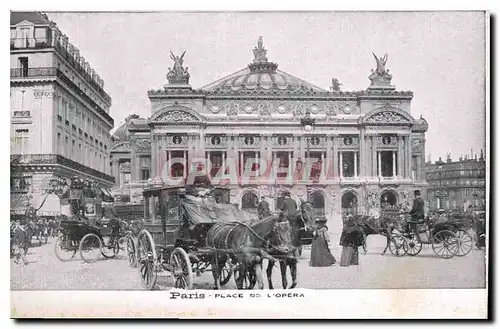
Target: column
209,162
133,162
400,157
290,165
374,157
335,157
322,173
241,164
257,158
355,164
169,163
408,156
224,156
184,167
341,174
362,161
153,157
393,164
379,172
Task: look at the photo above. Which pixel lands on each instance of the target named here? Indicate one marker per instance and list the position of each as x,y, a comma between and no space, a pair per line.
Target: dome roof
122,132
262,75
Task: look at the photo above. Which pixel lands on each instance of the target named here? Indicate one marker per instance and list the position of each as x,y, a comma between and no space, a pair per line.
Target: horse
298,229
246,245
383,225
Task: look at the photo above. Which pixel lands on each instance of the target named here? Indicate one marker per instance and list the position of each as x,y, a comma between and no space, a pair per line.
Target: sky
440,56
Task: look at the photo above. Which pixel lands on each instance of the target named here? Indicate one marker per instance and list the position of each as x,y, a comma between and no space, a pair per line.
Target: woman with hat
350,240
320,252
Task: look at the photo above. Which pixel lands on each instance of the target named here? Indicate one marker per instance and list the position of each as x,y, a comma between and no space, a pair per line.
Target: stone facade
59,109
365,145
457,184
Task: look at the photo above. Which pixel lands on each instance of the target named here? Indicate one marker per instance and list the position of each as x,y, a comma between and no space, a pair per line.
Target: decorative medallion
248,109
386,140
281,109
347,140
315,140
177,139
347,109
282,140
249,140
144,144
215,140
314,109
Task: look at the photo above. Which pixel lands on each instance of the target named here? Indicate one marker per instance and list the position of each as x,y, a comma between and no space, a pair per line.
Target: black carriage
91,241
448,236
173,241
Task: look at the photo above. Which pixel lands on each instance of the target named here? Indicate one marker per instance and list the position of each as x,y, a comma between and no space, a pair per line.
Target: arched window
388,198
249,202
349,203
318,200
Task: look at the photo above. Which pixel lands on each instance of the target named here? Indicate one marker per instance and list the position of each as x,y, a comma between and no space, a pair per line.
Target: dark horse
299,228
246,245
383,225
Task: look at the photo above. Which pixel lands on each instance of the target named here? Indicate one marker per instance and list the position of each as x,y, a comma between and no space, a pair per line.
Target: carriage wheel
65,249
131,252
412,246
249,280
109,247
226,273
90,248
147,261
181,269
466,243
445,244
396,245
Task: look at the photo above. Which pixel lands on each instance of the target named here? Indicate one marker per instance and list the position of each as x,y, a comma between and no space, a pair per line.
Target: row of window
348,163
83,153
455,183
479,173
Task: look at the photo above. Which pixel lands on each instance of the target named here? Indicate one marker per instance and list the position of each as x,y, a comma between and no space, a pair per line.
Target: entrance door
318,200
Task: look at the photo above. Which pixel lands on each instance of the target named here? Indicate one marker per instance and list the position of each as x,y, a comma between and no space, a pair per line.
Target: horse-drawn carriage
448,236
187,234
91,241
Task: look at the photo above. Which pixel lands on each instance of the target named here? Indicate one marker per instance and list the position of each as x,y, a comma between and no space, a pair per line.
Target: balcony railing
47,159
33,72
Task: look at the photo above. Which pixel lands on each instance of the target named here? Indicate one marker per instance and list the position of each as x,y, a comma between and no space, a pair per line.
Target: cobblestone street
46,272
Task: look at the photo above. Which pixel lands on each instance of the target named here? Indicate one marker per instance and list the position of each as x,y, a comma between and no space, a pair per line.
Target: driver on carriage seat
417,212
289,207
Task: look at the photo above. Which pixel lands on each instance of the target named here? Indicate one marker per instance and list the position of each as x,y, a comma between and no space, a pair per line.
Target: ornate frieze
416,145
176,140
177,115
347,141
125,167
121,147
249,141
144,145
216,141
387,116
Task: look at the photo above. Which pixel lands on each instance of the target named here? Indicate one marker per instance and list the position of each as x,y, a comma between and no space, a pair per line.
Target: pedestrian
20,241
417,212
320,251
350,240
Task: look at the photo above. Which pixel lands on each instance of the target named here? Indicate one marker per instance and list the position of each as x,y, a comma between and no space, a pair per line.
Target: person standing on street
20,241
320,252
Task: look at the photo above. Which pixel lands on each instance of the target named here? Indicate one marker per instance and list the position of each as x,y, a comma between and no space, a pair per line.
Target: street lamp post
307,124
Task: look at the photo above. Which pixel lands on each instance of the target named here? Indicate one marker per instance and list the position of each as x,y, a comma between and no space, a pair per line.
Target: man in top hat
289,207
417,211
263,208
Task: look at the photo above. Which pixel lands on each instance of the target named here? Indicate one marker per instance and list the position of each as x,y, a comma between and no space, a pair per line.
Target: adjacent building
458,184
59,110
367,148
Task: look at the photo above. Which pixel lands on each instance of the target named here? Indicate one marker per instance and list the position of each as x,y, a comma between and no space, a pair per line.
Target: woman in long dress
320,252
350,240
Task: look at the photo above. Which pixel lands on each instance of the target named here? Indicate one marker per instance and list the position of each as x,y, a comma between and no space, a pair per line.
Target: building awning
106,195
